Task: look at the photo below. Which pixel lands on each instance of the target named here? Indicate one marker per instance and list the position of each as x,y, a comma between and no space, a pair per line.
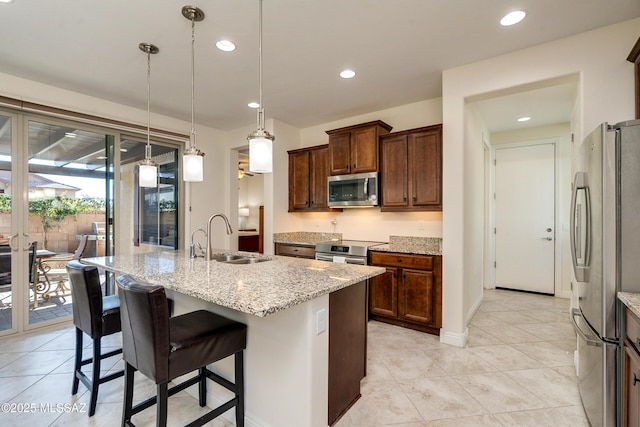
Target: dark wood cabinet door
416,296
393,171
319,171
339,153
631,387
364,150
425,160
383,293
299,180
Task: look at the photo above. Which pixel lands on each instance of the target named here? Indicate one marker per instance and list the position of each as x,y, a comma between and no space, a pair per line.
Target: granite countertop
305,237
631,300
411,245
259,289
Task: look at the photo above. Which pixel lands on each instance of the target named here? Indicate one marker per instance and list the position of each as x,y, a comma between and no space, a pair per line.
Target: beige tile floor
516,371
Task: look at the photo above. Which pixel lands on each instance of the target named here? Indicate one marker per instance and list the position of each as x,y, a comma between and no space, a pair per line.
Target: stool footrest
220,380
213,413
170,392
102,356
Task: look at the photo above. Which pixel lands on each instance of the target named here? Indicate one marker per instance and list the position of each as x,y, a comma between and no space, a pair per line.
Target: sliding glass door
61,182
68,196
8,316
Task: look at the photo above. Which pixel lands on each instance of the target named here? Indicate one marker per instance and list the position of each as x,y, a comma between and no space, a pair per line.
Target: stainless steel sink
239,259
227,257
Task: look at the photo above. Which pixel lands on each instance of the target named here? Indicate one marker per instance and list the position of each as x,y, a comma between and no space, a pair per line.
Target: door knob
549,230
547,238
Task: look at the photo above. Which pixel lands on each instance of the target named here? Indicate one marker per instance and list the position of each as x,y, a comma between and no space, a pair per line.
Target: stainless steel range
345,251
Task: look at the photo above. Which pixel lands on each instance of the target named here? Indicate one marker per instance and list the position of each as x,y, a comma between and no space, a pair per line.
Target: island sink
238,259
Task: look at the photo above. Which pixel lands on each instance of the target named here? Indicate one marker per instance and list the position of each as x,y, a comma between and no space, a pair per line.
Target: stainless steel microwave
356,190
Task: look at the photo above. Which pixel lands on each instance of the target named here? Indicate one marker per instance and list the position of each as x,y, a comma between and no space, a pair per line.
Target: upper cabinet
308,172
354,149
411,170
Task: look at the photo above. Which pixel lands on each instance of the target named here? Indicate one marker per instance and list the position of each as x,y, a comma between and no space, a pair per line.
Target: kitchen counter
305,237
411,245
259,289
631,300
302,316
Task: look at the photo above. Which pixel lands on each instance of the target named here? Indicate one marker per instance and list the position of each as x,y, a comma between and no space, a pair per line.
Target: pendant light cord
147,155
261,109
193,67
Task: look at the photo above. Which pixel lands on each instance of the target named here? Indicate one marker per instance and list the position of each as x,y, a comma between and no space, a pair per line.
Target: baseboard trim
455,339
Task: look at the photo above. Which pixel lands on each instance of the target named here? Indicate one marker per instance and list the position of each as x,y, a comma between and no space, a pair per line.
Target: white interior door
524,215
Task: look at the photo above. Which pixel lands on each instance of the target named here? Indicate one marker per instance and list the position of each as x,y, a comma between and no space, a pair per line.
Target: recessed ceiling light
253,105
68,134
347,74
513,18
524,119
225,45
5,1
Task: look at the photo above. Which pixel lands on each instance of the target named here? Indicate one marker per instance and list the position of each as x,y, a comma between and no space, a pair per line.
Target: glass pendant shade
148,175
260,152
192,166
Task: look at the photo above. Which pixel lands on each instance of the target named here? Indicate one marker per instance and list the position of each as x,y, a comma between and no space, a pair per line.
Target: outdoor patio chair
54,269
5,269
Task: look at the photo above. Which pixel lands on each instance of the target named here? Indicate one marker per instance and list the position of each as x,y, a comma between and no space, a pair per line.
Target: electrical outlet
420,225
321,321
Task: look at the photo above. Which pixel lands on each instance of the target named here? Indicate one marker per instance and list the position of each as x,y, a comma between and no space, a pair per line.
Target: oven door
341,259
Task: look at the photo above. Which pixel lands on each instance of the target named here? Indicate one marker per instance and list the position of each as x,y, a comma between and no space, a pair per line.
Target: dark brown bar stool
97,316
164,348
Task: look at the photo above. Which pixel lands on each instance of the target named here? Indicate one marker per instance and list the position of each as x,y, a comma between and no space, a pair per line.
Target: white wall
474,214
606,86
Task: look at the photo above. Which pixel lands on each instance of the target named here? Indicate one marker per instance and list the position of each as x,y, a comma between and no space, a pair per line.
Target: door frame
557,240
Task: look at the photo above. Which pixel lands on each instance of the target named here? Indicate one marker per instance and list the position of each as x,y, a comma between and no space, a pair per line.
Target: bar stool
163,348
97,316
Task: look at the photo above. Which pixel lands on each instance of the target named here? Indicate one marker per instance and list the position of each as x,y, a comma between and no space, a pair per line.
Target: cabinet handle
635,379
354,165
404,199
399,260
414,198
394,275
346,166
638,342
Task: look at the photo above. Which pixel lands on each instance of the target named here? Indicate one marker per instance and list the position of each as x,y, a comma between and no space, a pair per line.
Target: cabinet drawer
296,250
633,328
393,259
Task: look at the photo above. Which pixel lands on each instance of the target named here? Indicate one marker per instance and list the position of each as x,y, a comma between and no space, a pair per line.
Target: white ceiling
399,49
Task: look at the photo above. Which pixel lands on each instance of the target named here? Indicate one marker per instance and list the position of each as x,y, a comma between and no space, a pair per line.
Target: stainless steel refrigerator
605,247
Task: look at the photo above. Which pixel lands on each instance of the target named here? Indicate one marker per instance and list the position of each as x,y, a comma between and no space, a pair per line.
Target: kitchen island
306,327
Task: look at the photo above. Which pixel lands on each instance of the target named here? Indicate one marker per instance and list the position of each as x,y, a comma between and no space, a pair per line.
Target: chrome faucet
209,254
192,249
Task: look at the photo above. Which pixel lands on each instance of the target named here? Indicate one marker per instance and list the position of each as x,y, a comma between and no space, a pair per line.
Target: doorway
525,217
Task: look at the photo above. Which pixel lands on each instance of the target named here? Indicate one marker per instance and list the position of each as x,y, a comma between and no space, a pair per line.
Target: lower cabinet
409,293
631,374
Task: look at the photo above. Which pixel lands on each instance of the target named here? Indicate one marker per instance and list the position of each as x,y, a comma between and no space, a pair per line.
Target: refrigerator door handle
581,270
589,339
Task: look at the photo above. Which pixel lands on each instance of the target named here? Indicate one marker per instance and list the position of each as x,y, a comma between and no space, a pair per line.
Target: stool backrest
144,315
87,297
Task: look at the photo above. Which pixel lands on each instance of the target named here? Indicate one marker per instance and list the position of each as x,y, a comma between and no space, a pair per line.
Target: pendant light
147,168
260,141
192,162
